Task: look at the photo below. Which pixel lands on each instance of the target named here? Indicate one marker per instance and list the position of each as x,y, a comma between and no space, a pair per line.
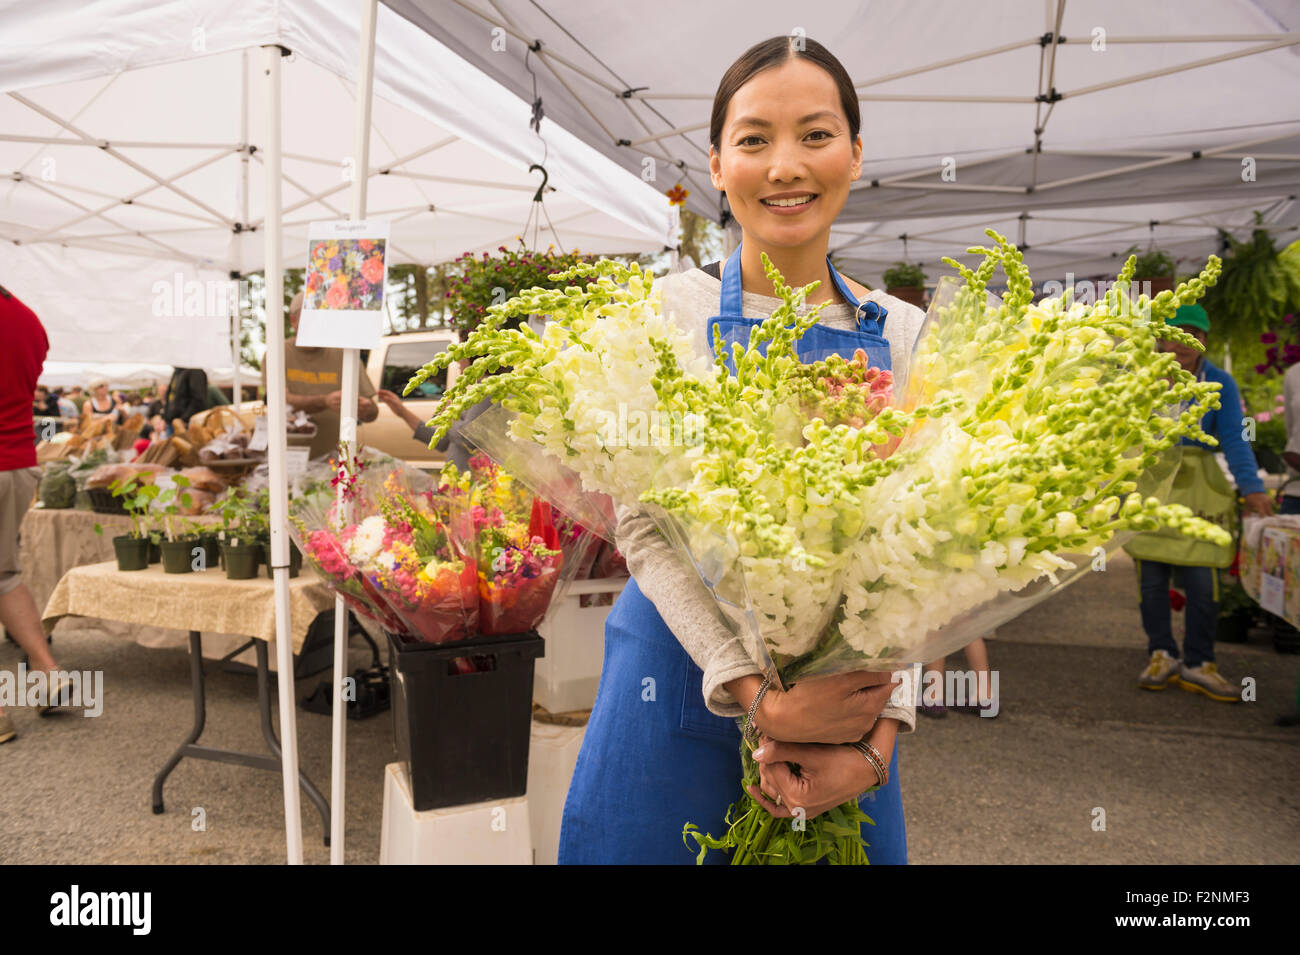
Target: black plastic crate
102,501
464,737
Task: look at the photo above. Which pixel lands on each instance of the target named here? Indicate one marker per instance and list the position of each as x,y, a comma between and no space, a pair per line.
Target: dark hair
774,52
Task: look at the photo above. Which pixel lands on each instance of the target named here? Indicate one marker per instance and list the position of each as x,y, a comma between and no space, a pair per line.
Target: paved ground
1181,779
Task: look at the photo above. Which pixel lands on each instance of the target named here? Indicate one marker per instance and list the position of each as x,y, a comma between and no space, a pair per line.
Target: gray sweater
667,580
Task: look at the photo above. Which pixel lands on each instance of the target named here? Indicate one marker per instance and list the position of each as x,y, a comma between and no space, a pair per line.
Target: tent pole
275,409
243,217
348,424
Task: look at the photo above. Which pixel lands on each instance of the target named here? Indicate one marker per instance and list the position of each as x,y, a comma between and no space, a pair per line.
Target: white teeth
802,200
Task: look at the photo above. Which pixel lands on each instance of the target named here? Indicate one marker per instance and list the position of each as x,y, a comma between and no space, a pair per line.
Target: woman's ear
857,158
715,170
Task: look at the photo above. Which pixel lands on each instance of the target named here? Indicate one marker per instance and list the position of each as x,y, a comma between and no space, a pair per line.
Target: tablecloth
195,601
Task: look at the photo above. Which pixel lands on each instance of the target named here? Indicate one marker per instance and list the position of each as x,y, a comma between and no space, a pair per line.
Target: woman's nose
787,164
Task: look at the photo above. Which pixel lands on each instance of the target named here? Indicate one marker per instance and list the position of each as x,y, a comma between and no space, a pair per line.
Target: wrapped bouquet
396,551
518,551
841,526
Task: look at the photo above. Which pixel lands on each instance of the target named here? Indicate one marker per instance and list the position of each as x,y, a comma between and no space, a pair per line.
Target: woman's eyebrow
756,121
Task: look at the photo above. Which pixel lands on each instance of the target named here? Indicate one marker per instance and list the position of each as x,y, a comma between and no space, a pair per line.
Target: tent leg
276,412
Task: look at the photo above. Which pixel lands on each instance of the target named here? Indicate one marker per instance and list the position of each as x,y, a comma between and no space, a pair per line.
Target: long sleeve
688,609
1228,427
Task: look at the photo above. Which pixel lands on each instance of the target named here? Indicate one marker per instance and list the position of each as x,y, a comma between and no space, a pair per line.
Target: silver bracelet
872,756
750,729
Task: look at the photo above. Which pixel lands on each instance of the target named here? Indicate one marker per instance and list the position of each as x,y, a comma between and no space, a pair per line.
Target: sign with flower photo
343,294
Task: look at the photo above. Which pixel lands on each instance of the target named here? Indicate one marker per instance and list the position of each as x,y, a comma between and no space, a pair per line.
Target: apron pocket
696,718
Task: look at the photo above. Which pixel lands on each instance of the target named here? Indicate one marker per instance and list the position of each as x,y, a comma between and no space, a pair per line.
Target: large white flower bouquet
841,526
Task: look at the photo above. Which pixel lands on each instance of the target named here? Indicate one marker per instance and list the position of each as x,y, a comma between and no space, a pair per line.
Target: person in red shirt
21,361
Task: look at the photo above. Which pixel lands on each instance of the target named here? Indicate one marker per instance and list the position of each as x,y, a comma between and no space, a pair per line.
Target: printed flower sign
343,297
345,273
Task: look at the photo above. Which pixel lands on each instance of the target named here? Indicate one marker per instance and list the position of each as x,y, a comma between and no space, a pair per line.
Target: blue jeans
655,758
1201,585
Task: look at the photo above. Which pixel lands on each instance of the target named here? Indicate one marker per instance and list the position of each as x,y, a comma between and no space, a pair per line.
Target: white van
391,365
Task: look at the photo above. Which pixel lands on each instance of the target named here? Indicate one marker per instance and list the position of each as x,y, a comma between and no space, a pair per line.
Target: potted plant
132,550
261,523
178,543
241,551
475,284
907,282
1155,267
209,538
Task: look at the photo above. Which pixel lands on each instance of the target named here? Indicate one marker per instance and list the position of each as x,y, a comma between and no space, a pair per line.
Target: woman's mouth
790,205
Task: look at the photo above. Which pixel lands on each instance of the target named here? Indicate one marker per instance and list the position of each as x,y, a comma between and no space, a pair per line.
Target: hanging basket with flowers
474,283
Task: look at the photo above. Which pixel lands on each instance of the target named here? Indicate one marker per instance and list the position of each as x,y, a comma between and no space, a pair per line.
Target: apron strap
869,315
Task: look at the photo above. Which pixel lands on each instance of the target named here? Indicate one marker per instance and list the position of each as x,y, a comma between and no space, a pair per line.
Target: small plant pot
155,552
911,294
1234,627
178,555
211,544
295,559
132,552
241,560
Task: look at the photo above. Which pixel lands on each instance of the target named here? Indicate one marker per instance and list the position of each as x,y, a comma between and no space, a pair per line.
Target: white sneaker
1159,671
1206,679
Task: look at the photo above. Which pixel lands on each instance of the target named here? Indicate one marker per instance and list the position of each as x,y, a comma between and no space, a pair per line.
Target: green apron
1199,484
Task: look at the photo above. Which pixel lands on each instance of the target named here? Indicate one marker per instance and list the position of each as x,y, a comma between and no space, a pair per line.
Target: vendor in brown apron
1201,485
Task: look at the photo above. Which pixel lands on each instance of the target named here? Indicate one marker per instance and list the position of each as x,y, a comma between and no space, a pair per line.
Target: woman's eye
747,141
820,132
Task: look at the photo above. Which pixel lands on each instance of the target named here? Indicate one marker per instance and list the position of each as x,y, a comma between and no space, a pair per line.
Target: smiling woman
785,148
661,745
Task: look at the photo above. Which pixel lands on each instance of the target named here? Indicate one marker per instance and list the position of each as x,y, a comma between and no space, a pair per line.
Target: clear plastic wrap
517,549
400,556
842,525
838,524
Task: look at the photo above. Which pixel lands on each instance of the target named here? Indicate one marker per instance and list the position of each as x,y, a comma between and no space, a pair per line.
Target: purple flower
336,263
1287,318
1260,369
1268,338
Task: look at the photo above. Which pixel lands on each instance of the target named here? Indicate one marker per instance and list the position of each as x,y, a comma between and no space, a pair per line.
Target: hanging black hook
537,196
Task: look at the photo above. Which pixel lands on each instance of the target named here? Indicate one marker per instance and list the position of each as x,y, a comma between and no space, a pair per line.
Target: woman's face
101,392
786,136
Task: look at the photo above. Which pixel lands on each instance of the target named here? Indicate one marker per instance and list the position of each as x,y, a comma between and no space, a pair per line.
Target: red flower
337,296
1176,600
313,282
365,245
373,270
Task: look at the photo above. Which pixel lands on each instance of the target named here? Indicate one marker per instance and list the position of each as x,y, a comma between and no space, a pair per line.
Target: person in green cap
1201,485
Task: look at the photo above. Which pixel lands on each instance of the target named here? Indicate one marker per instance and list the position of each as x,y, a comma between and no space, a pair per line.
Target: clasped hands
806,727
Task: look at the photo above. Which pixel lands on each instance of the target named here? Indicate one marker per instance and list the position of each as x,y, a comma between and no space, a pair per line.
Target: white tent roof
65,374
126,134
1036,116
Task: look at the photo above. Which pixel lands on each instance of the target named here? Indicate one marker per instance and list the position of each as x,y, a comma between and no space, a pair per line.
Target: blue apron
818,342
654,757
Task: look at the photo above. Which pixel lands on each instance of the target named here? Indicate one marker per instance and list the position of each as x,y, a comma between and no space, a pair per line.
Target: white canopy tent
131,130
1094,119
145,145
64,374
